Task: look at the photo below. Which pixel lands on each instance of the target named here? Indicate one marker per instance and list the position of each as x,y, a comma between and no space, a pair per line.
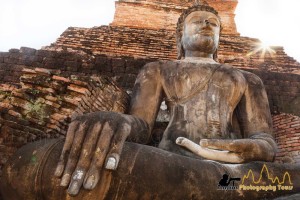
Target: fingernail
78,175
65,180
203,142
89,184
179,140
111,163
59,170
73,188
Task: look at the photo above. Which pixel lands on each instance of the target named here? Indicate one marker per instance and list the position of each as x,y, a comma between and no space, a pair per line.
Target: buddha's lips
206,32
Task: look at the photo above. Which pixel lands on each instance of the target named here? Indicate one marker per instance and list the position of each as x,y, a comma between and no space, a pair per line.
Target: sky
37,23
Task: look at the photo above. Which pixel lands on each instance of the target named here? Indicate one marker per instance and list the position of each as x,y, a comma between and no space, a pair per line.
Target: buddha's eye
213,22
196,22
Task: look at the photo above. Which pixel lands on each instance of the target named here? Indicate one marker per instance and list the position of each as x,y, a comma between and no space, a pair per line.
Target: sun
264,45
264,48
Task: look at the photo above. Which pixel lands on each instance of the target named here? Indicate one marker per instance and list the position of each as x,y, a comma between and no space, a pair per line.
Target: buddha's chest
186,80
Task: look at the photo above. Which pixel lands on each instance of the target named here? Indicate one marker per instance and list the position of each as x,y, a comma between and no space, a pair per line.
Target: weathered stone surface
138,182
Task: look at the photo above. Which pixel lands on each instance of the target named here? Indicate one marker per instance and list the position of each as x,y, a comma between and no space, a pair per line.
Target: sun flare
263,48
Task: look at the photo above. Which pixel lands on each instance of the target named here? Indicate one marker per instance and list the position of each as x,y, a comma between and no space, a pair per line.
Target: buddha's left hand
230,151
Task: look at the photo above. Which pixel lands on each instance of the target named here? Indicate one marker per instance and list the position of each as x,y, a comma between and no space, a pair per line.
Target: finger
74,154
85,159
223,156
117,144
209,154
66,149
180,141
92,177
190,145
224,144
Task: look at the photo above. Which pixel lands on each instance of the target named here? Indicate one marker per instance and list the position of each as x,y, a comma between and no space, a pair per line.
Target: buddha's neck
199,57
196,54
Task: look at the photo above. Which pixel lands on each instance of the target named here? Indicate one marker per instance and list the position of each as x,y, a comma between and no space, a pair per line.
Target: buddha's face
201,32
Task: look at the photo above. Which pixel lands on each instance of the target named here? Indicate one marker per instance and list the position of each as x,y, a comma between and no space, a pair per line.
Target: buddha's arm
145,101
253,113
256,125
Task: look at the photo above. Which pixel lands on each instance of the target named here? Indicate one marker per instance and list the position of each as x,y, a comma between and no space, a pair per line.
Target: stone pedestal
146,172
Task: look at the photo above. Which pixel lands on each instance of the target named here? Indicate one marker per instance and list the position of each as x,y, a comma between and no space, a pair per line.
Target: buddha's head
198,29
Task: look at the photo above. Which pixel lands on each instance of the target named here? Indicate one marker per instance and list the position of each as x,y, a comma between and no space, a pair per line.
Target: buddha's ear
182,52
215,56
180,49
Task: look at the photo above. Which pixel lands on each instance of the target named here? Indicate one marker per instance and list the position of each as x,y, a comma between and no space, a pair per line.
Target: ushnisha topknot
198,6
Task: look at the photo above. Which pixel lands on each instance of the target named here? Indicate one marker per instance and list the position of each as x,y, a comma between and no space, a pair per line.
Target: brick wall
44,103
153,14
116,41
122,69
287,134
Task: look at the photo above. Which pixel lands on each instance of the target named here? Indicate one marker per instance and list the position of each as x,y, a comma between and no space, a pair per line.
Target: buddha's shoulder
251,78
170,64
161,63
248,76
159,66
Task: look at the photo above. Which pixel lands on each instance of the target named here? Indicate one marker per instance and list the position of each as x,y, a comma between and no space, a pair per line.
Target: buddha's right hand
94,141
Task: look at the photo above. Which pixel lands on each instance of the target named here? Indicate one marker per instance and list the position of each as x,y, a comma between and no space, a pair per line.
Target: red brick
78,89
59,78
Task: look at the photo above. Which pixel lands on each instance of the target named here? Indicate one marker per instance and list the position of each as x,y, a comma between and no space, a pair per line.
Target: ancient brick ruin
120,50
46,101
163,14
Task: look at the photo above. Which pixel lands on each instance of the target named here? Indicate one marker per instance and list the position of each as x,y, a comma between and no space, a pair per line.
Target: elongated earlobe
215,56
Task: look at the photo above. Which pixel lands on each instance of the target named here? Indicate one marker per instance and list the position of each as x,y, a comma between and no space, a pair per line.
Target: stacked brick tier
163,14
123,69
242,52
46,101
116,41
287,131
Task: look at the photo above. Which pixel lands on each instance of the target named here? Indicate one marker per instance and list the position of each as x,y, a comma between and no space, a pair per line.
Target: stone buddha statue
217,113
223,108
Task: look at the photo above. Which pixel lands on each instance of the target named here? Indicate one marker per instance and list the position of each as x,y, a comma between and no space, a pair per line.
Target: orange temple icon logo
266,181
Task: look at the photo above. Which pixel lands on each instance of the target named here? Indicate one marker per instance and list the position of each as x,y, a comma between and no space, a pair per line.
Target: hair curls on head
198,6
